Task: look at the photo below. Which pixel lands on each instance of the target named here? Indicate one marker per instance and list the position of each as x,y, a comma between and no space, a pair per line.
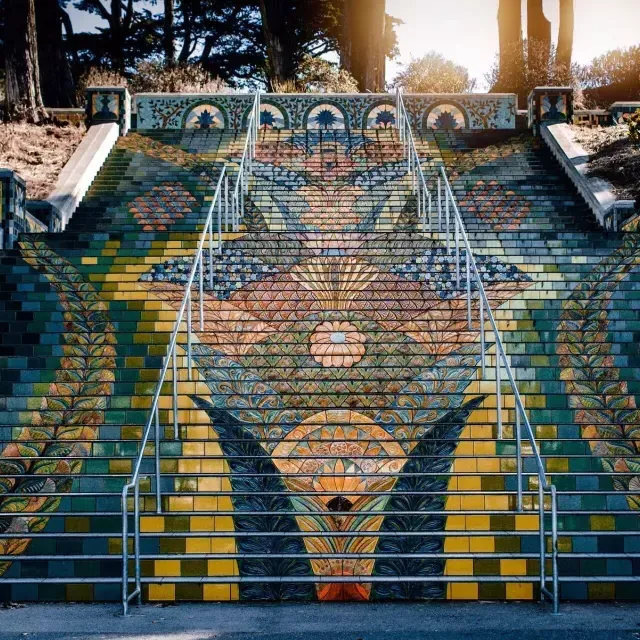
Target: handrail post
498,390
226,202
439,204
446,207
469,319
483,356
201,292
543,552
457,240
219,226
136,539
554,548
125,551
211,254
189,363
176,428
518,436
157,462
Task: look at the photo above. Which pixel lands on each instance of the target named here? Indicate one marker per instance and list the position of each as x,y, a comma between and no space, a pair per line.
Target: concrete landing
438,621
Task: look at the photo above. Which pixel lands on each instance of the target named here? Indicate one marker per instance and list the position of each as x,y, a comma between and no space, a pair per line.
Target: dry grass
613,157
38,153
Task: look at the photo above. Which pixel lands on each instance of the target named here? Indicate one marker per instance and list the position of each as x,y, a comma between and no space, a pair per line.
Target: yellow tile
222,568
205,503
89,260
496,503
167,568
482,544
455,523
189,466
213,466
180,503
198,545
209,484
224,523
469,483
201,523
457,544
458,567
462,591
152,524
470,503
162,592
519,591
197,432
465,465
225,503
489,465
477,523
223,545
216,592
526,522
513,567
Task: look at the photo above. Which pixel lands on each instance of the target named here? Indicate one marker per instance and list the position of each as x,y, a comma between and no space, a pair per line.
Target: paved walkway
438,621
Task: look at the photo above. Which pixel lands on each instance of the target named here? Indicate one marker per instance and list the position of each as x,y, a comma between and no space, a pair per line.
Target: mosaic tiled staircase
337,441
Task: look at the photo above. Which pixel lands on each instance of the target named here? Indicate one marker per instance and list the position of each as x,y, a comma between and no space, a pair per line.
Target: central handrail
460,233
221,195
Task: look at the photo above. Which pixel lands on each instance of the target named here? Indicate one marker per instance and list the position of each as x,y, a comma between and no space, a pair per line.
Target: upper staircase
337,440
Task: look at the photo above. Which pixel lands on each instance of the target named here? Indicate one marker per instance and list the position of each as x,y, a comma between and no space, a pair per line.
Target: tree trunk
117,36
510,35
539,36
282,52
169,35
362,50
23,96
565,34
56,79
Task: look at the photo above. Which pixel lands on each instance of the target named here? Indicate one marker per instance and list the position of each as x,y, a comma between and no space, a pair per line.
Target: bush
433,73
156,77
316,75
633,120
98,77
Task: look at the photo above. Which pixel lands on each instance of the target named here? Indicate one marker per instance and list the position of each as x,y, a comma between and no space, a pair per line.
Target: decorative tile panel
325,111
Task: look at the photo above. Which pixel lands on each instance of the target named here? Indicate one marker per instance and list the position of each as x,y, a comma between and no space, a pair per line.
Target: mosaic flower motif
337,344
381,117
271,117
326,116
446,116
204,116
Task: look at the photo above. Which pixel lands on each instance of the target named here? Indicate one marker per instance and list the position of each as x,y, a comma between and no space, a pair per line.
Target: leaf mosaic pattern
52,447
602,403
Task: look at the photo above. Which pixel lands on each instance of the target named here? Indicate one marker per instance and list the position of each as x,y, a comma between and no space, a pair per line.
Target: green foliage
433,73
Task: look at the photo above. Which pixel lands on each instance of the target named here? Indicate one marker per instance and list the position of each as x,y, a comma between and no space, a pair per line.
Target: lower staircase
337,439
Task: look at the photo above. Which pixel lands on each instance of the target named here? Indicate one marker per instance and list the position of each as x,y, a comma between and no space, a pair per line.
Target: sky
466,31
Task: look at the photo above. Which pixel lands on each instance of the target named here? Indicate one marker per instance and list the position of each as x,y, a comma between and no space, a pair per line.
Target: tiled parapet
550,105
620,109
324,111
109,104
13,197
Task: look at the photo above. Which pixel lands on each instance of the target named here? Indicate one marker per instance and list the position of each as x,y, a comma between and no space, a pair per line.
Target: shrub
155,77
98,77
433,73
633,120
316,75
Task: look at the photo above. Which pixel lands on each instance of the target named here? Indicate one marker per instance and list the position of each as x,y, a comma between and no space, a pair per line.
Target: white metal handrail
219,202
153,422
245,168
472,274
